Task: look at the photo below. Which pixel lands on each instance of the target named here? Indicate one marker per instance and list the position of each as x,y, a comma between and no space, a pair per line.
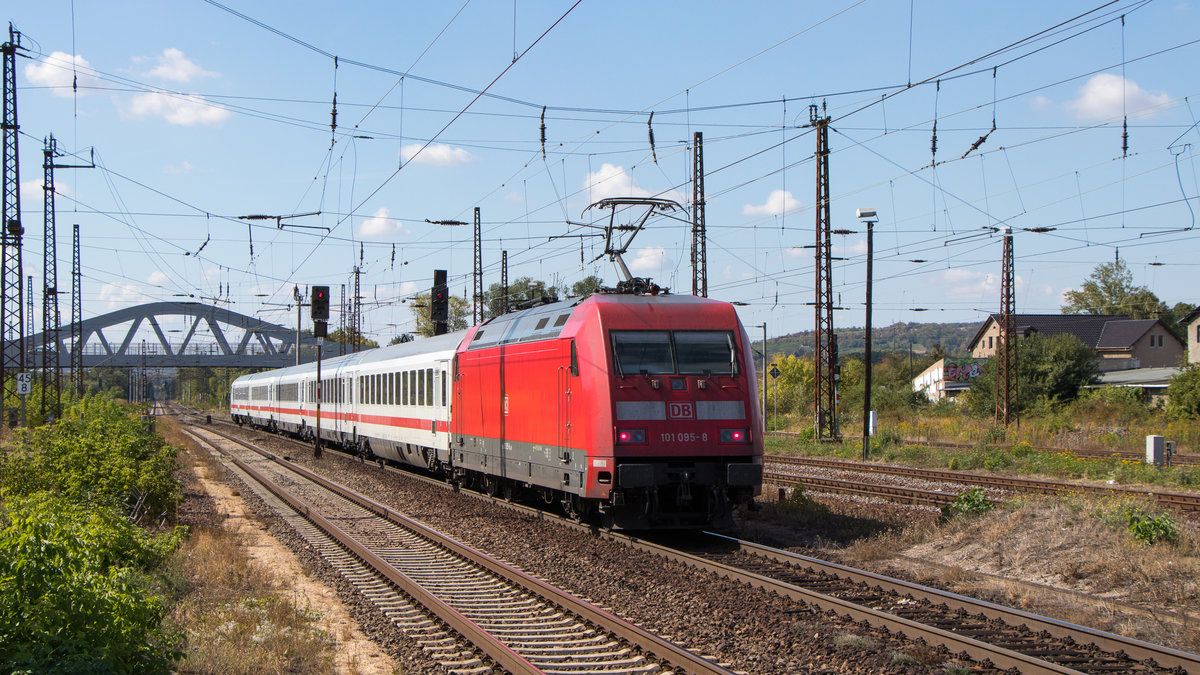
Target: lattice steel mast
477,277
699,235
825,354
11,280
77,315
356,315
504,282
1006,348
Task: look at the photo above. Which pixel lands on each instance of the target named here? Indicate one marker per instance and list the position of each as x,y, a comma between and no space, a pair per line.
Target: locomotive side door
566,374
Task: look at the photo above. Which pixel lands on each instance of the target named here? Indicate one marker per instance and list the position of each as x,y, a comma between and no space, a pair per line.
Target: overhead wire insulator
650,129
543,132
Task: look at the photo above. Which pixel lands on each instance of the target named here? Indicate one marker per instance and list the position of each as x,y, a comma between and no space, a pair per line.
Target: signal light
631,435
320,303
734,436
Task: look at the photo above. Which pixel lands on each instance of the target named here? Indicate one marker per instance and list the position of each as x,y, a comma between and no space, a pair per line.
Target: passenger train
634,411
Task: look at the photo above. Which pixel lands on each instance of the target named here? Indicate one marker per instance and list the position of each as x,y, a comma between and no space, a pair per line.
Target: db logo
681,411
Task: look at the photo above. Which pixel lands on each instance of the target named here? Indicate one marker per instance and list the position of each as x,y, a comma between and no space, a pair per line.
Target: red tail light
631,435
735,436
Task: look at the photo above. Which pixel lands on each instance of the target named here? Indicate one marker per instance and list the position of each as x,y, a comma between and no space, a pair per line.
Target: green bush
1151,529
100,453
72,590
973,502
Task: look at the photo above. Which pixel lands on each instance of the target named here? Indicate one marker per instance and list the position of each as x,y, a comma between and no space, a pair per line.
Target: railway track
1178,459
470,612
1187,503
988,633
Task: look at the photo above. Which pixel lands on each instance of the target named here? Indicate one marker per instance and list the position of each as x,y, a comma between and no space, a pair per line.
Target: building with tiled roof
1121,343
1191,324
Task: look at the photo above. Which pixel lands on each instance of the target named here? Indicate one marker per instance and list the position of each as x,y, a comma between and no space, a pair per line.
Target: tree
1052,369
1183,392
401,339
1110,290
522,290
459,312
346,337
586,286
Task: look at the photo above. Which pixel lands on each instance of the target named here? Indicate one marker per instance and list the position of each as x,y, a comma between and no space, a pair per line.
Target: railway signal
320,303
439,303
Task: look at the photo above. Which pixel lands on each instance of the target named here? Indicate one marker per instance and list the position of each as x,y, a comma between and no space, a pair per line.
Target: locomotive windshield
680,352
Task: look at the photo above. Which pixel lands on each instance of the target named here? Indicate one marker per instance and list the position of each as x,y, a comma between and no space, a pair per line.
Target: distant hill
953,337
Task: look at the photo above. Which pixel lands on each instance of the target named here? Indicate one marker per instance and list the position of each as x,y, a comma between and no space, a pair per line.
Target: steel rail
891,492
1180,500
496,650
1163,656
660,649
1178,459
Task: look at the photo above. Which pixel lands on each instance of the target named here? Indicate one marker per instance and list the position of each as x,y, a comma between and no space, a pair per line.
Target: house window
991,342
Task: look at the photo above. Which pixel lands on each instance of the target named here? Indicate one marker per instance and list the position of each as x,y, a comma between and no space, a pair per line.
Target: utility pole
356,315
342,320
299,309
477,277
1006,349
763,409
699,236
504,282
868,215
51,319
825,354
12,330
76,315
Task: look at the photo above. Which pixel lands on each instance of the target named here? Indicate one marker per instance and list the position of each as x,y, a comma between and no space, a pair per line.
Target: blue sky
198,116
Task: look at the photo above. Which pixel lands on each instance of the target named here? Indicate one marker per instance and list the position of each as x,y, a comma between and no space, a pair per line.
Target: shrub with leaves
100,453
1149,529
73,596
971,502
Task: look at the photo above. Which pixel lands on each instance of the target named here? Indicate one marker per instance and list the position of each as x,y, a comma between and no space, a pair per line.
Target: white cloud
1042,103
122,295
729,274
514,197
967,284
174,66
180,168
614,181
650,261
380,225
778,203
437,154
31,193
56,71
182,109
857,248
1107,96
158,277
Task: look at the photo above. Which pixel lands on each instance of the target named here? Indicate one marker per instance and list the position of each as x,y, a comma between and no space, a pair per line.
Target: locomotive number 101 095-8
683,437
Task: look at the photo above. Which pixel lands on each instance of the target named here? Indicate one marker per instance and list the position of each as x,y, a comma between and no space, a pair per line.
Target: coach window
420,388
429,385
444,374
705,351
403,388
642,351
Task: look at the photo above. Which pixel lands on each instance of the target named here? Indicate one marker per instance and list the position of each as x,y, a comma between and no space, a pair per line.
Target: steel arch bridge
212,337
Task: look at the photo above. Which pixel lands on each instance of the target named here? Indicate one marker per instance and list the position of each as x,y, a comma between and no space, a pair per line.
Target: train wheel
490,486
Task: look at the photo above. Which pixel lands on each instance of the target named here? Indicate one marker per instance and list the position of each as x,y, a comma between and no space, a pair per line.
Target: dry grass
1077,545
235,615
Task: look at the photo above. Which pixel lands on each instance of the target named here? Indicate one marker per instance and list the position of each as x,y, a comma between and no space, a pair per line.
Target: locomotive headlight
734,436
631,435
